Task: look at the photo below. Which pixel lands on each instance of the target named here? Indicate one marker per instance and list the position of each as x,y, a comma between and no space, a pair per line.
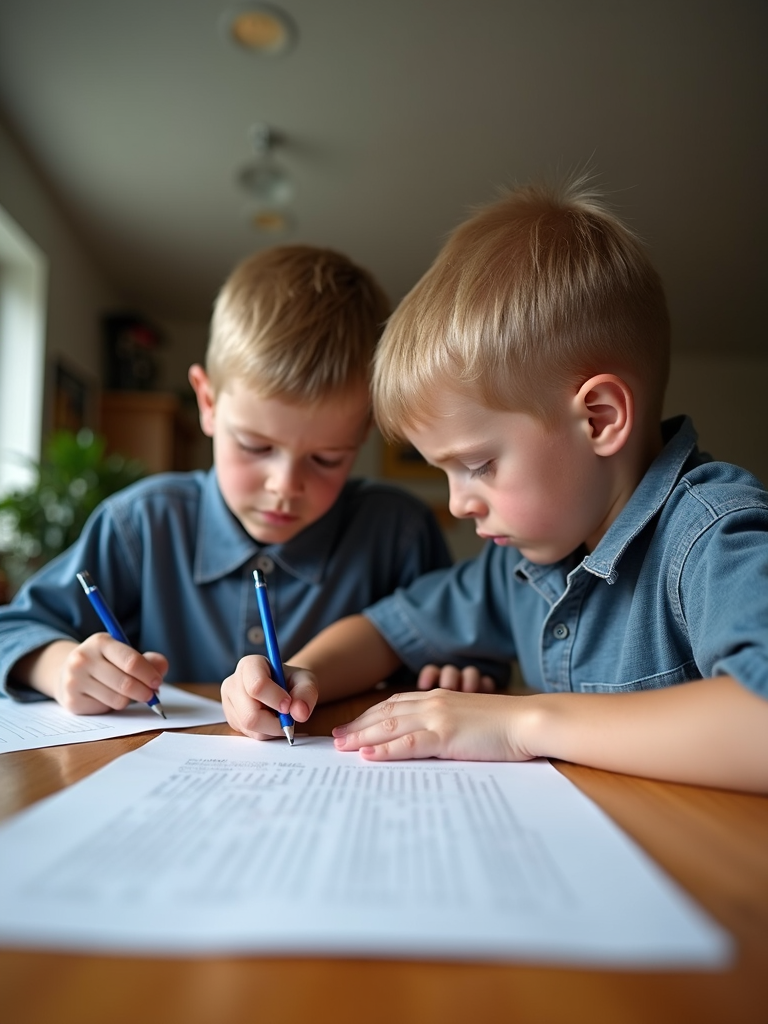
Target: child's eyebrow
454,453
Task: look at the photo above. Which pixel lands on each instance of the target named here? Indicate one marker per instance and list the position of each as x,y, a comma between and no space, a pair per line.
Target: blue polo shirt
177,567
676,590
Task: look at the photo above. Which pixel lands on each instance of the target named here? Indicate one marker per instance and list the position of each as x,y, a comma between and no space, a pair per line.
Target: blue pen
273,651
111,625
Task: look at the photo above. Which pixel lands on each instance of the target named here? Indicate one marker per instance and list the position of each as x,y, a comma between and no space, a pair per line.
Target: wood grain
714,843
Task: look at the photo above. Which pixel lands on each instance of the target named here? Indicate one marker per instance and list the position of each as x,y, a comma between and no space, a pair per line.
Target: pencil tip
288,730
157,708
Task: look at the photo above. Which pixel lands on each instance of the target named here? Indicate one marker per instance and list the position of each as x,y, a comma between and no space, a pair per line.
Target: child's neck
629,466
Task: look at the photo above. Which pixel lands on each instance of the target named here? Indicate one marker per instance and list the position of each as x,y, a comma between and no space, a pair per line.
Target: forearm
348,657
709,732
41,669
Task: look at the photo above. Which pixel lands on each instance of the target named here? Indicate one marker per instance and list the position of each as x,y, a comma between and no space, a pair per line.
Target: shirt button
255,635
265,563
560,631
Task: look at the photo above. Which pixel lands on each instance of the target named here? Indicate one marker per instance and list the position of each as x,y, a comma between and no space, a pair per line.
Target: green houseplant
43,519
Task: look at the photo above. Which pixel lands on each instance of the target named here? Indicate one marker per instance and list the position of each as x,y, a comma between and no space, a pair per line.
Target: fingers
102,674
471,681
251,697
158,661
449,677
390,731
303,690
429,677
437,723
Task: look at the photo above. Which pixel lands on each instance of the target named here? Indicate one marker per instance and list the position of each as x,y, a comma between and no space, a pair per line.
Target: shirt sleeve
723,596
51,605
457,616
422,548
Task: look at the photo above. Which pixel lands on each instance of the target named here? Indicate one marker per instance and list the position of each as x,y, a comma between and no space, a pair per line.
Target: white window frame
23,299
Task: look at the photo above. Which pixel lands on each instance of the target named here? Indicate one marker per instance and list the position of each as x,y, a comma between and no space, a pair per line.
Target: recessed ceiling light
260,28
272,222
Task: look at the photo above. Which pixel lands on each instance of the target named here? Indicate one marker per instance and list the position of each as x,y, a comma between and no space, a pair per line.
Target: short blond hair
296,321
534,294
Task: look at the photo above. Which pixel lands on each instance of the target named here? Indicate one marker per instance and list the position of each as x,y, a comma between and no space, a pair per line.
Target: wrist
530,726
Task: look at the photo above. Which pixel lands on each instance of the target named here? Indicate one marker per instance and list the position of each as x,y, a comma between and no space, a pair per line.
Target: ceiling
397,118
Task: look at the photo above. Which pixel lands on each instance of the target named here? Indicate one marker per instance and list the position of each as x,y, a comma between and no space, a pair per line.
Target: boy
625,571
285,396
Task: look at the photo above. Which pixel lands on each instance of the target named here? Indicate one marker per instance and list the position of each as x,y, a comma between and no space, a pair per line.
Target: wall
77,292
727,398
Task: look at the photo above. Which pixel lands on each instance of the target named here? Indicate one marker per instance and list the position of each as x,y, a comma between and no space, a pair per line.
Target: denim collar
223,545
648,499
646,502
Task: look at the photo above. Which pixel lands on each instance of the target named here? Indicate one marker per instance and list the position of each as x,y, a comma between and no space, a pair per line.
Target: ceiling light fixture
263,179
269,186
260,28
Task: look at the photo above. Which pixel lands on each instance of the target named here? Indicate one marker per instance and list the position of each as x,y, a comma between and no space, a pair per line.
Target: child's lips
497,538
278,518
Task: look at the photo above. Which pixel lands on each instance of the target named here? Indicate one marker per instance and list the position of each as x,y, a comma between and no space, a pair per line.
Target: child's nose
285,479
463,504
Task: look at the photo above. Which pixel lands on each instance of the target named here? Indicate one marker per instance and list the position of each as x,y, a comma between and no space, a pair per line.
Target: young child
625,571
285,396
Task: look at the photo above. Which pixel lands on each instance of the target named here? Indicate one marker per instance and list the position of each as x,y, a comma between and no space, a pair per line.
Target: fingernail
285,706
339,730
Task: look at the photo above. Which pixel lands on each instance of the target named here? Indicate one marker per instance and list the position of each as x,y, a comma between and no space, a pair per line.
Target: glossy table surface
715,843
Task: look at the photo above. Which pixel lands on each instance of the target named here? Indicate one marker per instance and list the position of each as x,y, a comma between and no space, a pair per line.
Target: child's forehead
339,417
458,424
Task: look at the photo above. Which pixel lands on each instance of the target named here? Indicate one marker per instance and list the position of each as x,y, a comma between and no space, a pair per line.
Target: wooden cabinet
150,426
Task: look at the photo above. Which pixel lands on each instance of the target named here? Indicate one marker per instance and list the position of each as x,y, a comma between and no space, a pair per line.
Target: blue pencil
111,625
273,651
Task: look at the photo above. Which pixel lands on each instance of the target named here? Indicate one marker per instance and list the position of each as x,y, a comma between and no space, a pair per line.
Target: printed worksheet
198,845
46,724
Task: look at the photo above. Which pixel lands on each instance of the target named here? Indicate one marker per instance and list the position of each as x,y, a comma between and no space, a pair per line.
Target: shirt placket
558,636
253,632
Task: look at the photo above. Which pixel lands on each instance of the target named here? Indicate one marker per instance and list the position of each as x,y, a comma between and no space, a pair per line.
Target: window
23,281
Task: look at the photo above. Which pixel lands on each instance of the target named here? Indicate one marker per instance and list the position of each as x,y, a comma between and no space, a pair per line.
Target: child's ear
606,406
206,399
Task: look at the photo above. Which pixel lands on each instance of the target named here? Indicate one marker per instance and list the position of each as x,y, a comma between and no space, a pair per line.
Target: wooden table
714,843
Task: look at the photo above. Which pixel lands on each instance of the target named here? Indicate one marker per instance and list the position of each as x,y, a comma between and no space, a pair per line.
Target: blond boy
285,397
624,570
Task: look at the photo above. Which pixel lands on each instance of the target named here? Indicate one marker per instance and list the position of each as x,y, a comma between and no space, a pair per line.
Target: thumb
303,689
159,662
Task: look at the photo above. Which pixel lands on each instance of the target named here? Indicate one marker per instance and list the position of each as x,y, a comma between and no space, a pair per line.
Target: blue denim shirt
676,590
176,567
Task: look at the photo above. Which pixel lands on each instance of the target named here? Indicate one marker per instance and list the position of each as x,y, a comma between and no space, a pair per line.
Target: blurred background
146,147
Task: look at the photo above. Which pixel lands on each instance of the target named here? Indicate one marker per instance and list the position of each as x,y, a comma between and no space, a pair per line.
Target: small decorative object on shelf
130,352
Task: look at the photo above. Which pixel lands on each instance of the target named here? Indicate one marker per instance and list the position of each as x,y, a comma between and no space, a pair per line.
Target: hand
250,697
102,674
440,723
468,680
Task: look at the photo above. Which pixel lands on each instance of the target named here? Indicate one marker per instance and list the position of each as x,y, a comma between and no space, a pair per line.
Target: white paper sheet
211,845
46,724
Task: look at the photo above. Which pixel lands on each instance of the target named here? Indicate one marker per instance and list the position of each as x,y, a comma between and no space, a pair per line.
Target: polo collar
224,546
647,500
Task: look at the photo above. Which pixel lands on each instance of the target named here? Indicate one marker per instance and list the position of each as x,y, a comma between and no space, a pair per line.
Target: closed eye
254,449
484,470
328,463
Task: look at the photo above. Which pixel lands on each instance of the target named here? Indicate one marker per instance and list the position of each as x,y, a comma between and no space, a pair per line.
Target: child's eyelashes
324,461
484,470
253,450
